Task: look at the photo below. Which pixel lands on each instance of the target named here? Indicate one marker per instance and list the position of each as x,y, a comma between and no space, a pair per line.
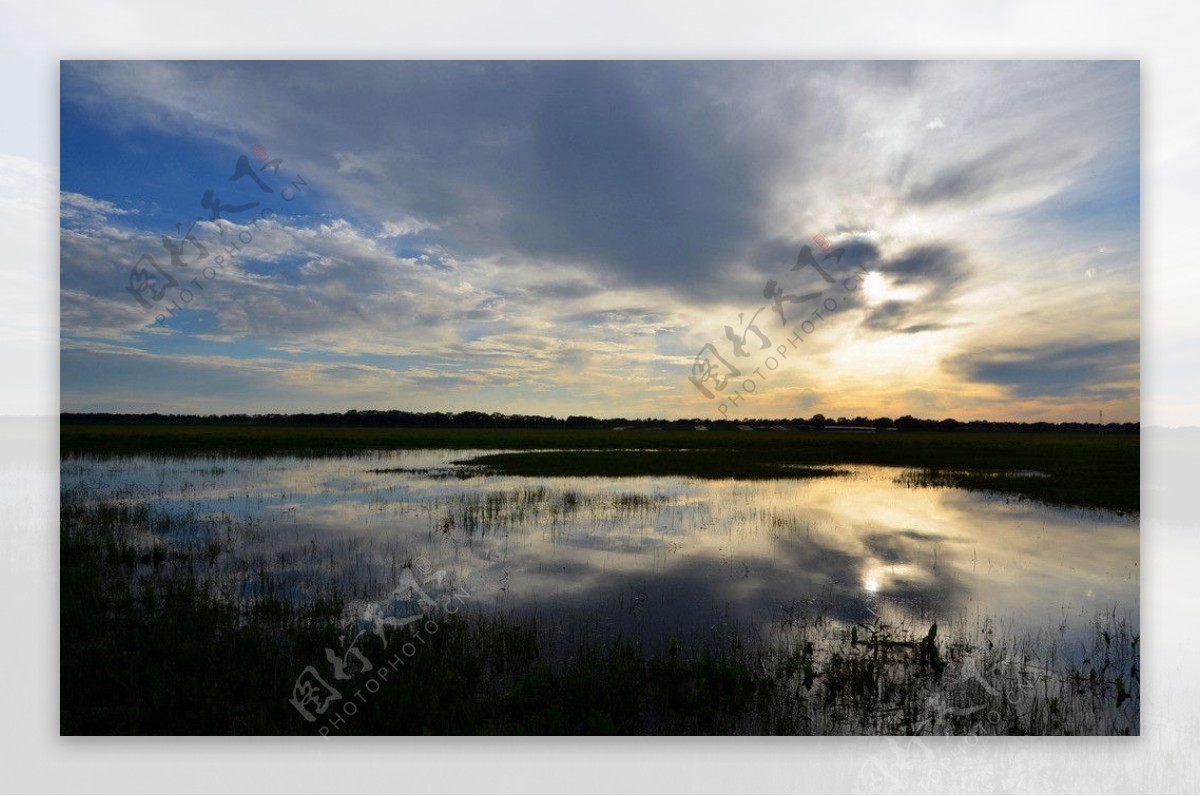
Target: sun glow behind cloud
877,289
564,238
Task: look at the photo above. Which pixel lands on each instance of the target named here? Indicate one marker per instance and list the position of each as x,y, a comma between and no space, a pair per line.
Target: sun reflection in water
571,550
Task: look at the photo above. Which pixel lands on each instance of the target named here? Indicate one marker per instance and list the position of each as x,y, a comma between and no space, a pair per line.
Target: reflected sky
652,557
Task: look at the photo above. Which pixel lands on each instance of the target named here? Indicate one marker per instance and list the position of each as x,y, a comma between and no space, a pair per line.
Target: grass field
1095,471
155,640
179,637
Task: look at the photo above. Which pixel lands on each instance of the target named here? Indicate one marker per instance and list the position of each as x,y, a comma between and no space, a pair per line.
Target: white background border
34,36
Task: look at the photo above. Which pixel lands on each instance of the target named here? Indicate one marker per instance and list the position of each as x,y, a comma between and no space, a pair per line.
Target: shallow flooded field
649,558
832,599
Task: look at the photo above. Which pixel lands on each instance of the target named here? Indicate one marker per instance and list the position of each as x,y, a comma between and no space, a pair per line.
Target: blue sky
565,237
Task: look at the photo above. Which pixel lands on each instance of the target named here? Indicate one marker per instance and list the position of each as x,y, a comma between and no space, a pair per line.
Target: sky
603,238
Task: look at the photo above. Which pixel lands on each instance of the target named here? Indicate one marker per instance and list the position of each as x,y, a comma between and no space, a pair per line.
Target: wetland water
650,558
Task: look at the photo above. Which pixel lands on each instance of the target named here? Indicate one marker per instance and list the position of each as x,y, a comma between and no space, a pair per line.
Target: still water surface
651,558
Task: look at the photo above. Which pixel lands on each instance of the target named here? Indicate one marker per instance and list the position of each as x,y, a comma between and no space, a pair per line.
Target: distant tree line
394,418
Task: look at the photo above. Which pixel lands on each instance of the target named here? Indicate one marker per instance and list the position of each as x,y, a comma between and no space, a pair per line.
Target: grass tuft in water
184,638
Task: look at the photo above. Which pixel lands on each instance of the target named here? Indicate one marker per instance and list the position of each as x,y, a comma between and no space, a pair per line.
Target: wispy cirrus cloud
566,236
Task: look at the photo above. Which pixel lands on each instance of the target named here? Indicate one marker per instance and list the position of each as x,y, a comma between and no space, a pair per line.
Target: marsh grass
474,512
882,679
168,628
1003,482
755,465
1097,471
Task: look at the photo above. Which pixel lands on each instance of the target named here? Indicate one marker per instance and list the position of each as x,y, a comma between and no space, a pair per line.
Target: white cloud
509,292
74,206
406,227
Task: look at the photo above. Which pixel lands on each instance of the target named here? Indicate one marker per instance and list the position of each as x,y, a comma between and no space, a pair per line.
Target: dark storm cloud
616,215
960,181
891,316
779,255
649,172
935,265
1063,370
976,178
938,268
631,169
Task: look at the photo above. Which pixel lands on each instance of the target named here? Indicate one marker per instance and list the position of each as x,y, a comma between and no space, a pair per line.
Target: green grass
617,464
152,642
1096,471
